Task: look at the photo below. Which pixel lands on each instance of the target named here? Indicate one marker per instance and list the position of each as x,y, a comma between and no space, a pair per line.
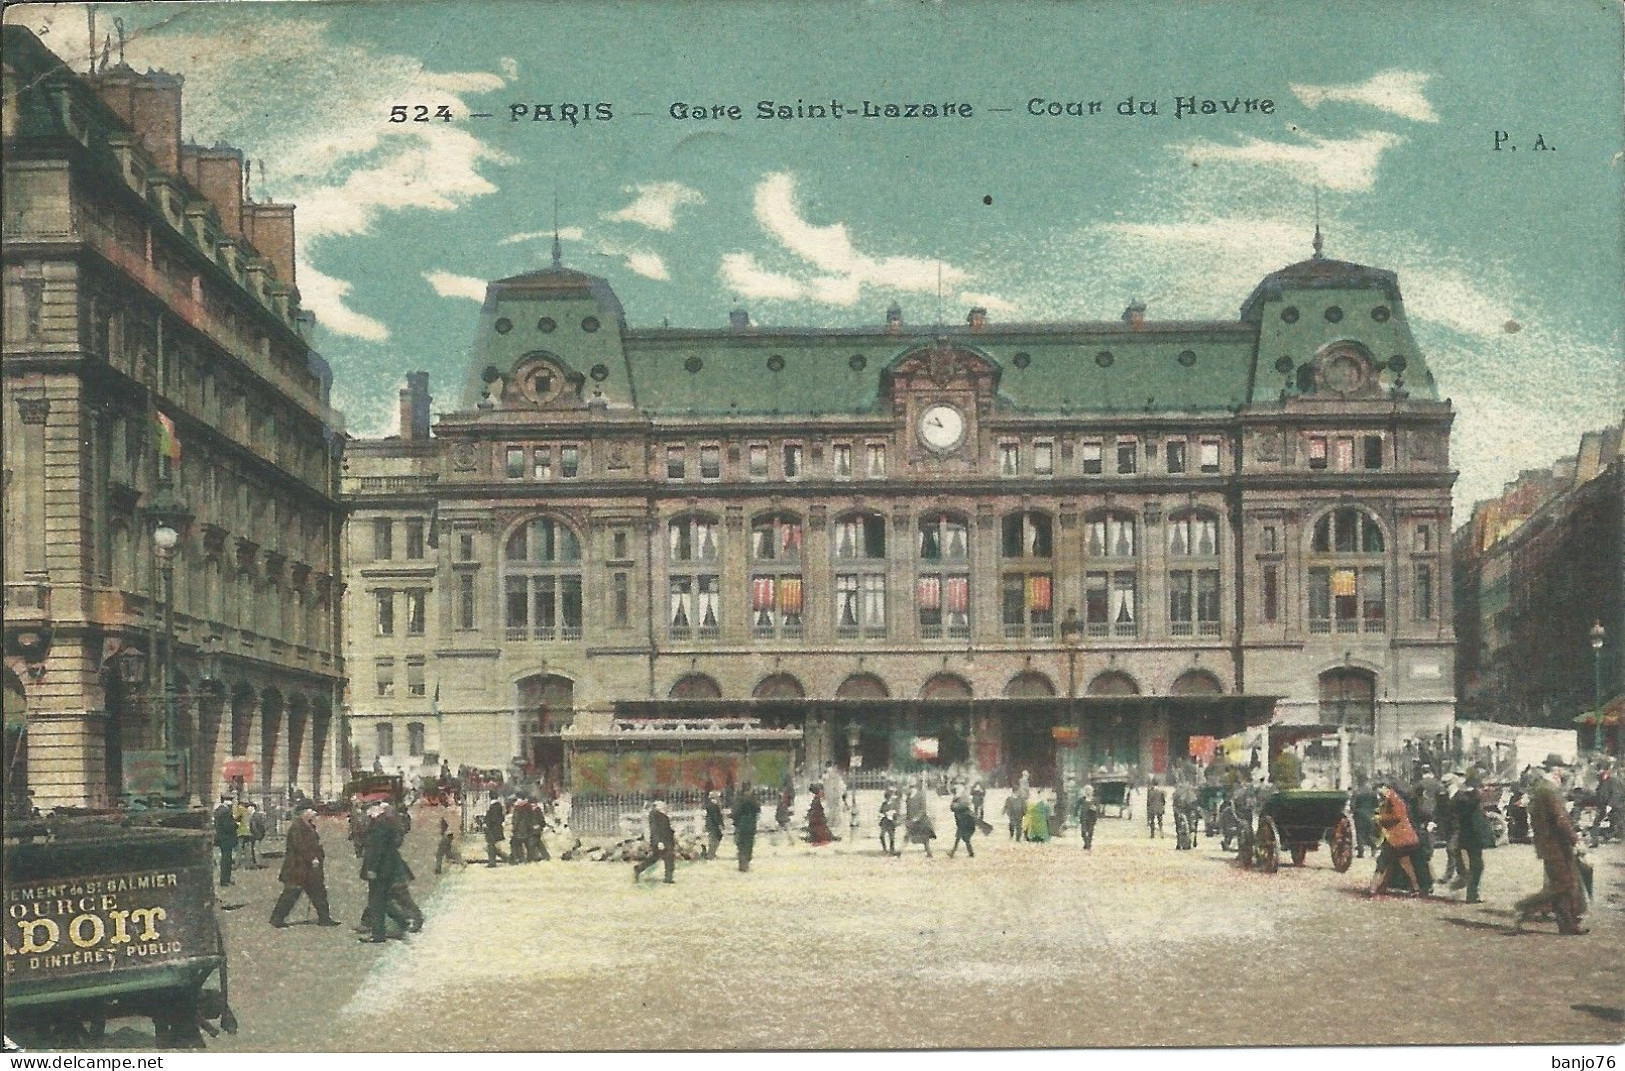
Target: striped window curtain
790,595
761,593
1039,594
958,594
928,593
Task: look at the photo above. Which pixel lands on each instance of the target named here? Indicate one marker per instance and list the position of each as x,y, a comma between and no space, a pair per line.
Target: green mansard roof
1061,368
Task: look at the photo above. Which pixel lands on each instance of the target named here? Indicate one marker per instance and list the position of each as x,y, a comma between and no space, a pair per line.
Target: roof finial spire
1319,241
558,252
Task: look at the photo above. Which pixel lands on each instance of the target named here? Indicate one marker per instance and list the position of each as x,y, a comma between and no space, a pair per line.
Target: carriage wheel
1343,844
1244,846
1267,849
1299,854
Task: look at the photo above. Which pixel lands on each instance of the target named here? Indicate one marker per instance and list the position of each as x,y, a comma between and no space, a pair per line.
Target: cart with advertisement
1298,821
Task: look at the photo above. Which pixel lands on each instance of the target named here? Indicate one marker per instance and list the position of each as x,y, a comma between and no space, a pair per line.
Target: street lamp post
1071,635
169,520
1599,636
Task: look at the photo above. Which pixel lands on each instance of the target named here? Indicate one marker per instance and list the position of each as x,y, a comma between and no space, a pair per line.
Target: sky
1386,112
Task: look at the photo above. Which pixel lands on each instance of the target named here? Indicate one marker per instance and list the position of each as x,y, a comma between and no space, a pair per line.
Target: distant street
1131,944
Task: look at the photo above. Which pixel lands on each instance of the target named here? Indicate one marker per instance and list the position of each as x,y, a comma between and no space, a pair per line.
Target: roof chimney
739,319
1134,315
151,104
218,175
269,229
415,401
977,318
894,319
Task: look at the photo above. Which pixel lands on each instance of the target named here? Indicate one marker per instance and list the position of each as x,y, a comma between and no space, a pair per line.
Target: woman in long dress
917,824
1036,822
817,824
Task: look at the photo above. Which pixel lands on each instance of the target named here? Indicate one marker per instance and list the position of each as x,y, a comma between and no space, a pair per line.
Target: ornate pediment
943,366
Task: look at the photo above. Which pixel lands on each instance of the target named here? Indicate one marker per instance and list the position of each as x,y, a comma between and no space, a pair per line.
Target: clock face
942,427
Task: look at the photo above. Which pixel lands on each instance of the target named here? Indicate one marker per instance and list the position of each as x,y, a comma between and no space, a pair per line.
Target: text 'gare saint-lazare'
1038,106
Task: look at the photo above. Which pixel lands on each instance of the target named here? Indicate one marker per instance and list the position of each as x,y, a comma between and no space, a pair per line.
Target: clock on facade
942,427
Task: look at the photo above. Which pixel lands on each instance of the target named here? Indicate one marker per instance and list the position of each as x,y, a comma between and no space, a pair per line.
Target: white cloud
656,204
1345,164
648,265
325,296
993,303
333,157
1395,91
748,279
826,267
447,284
566,234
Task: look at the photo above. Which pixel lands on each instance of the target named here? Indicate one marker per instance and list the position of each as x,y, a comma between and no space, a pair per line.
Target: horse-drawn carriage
1114,792
1210,799
1297,820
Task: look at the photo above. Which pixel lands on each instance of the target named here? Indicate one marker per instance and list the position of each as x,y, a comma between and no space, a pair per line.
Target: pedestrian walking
785,811
1444,821
381,868
1088,815
536,842
817,823
1364,809
1035,824
1399,839
256,833
964,823
978,800
917,825
225,838
1015,810
518,832
302,859
746,814
1557,845
713,824
245,844
662,844
888,822
446,849
1156,804
1473,834
494,816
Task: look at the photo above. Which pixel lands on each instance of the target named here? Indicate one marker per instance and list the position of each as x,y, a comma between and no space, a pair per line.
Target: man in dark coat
662,844
493,832
1088,815
1473,833
1156,805
746,814
964,824
1555,844
302,871
225,837
381,868
518,832
1364,808
713,824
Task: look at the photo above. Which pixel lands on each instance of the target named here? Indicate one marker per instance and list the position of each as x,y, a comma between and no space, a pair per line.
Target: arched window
775,576
1111,583
542,581
862,686
1027,592
694,584
1348,697
1113,682
695,686
860,577
1193,576
1029,685
942,582
1196,682
778,686
1347,580
946,686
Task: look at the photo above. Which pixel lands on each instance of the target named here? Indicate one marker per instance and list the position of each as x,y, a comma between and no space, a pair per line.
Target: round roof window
547,325
1022,360
1105,359
1380,314
1187,358
599,373
775,363
693,364
1333,314
503,325
590,324
858,362
1289,315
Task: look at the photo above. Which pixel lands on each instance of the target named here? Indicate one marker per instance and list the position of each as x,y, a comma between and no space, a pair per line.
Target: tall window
569,461
676,463
775,578
1111,584
416,611
621,610
694,554
1193,576
541,463
1043,458
1174,455
1010,459
1090,452
841,461
1027,597
383,539
1422,592
465,601
1128,456
875,465
384,602
386,739
1347,581
860,580
1317,452
541,584
513,465
1210,456
710,462
414,739
792,461
384,677
415,684
414,540
942,585
758,461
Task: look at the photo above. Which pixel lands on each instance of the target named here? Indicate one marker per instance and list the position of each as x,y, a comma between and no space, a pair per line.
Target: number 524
419,113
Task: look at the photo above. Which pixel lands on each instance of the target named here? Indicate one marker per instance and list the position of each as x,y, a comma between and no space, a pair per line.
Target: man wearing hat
747,812
382,868
302,870
662,844
1473,833
713,824
1555,844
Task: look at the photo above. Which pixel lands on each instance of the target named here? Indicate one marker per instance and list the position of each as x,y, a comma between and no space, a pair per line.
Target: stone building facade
156,369
1536,568
1121,536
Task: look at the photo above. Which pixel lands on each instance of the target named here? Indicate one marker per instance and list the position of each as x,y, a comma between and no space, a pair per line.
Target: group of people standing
238,826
